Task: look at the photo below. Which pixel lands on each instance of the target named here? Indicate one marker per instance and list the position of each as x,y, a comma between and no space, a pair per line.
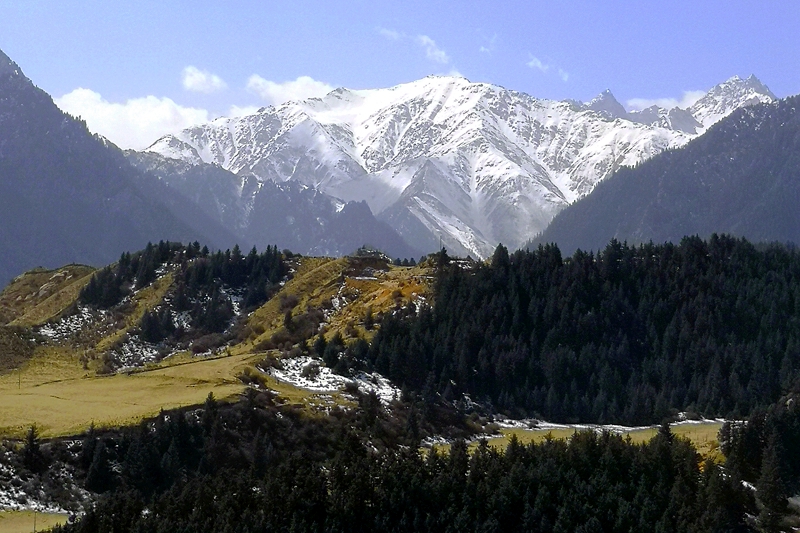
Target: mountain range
67,195
298,217
447,161
439,161
741,177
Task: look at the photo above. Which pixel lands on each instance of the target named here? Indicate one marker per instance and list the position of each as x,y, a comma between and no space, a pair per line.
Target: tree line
200,281
627,335
251,466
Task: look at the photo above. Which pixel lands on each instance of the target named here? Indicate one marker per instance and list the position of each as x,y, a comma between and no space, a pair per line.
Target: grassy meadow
59,390
27,521
702,435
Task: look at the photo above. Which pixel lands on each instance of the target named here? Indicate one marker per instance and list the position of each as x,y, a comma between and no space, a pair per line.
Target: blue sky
145,68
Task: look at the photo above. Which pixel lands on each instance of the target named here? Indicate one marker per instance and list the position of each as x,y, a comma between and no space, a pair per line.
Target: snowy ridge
472,164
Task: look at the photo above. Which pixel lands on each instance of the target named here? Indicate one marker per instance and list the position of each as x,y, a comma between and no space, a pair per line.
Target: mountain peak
752,83
7,66
605,104
728,96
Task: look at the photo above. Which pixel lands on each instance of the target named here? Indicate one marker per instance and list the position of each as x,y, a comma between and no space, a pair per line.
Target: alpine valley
191,388
444,161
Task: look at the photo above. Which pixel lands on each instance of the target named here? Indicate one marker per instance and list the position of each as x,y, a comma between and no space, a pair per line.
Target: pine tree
99,478
771,489
32,456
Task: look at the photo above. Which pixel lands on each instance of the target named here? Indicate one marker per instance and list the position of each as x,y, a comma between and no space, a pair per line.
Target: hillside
742,177
297,217
68,196
177,373
64,352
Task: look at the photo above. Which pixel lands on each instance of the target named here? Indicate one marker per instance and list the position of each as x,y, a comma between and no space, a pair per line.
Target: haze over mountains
446,160
296,216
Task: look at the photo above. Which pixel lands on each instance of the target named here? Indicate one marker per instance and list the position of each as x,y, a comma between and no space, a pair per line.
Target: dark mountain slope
262,213
742,177
68,196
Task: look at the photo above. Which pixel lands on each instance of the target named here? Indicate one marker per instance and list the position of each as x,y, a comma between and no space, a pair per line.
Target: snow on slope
471,164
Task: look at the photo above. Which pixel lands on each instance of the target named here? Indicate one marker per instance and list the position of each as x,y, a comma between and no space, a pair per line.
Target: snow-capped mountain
727,97
446,160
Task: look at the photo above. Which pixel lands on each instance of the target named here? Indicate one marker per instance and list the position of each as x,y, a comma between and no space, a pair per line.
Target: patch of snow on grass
532,423
135,352
14,497
236,298
309,373
66,326
182,320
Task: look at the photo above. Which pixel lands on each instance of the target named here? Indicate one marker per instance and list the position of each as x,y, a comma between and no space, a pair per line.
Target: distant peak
607,104
6,64
446,77
751,82
606,95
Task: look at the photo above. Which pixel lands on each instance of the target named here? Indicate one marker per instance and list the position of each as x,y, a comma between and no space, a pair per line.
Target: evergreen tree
32,456
771,490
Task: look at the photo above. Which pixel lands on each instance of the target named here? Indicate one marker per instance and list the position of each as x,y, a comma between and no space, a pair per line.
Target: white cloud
201,81
392,35
490,47
135,124
277,93
241,111
535,62
688,98
432,51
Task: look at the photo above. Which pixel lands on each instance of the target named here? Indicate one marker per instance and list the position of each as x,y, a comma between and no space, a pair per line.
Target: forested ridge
632,334
253,467
199,305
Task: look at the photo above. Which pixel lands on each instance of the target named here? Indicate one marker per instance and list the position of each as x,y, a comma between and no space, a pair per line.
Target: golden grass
53,390
40,295
319,279
314,277
146,299
23,521
703,436
69,404
61,399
